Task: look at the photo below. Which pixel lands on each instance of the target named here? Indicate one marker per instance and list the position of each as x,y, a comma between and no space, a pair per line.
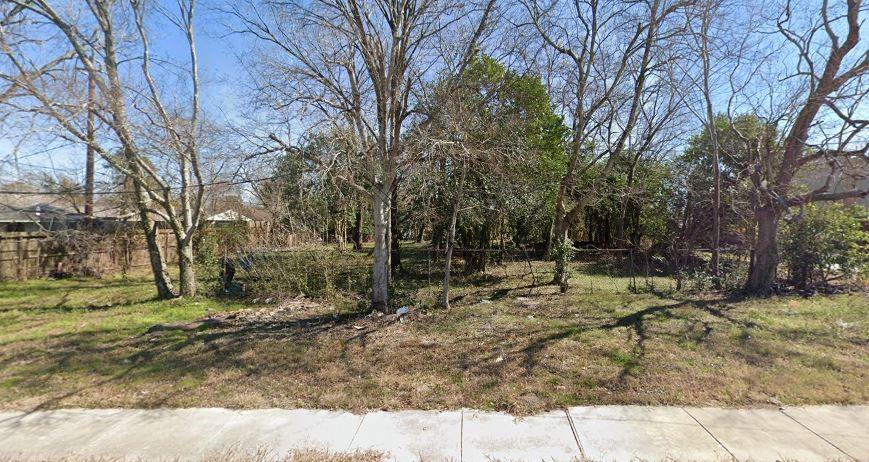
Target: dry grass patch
505,345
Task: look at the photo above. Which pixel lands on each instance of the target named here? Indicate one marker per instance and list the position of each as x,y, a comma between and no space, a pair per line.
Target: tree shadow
635,322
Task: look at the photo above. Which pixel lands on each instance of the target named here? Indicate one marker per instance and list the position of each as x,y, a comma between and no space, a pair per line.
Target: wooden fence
28,255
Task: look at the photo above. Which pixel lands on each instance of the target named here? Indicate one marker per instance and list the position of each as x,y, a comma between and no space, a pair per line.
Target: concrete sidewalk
600,433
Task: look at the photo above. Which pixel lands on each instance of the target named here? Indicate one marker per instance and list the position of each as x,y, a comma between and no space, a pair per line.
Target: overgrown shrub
821,245
321,273
215,241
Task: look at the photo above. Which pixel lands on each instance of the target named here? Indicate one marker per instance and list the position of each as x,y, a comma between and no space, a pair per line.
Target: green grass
507,344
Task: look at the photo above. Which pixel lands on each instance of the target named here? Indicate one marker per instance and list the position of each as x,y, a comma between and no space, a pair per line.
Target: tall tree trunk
187,276
633,216
162,280
716,221
547,251
357,228
394,233
558,231
713,139
89,155
451,238
476,259
762,273
344,226
340,228
380,208
559,234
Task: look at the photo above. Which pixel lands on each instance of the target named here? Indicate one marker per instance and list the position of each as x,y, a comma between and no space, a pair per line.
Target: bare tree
90,155
701,48
822,127
105,37
466,134
357,67
604,55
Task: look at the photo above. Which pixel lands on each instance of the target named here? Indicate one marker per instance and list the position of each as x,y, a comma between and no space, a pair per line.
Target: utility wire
79,189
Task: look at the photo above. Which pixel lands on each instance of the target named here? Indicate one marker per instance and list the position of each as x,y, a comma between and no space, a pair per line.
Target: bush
212,242
822,244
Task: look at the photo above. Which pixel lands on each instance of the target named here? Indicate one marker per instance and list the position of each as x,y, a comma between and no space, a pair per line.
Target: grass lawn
505,345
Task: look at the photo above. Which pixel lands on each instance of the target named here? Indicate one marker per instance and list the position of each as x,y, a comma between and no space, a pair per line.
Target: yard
506,344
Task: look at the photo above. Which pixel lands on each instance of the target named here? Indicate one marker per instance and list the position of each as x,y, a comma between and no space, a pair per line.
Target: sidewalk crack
816,434
575,434
462,436
710,433
350,446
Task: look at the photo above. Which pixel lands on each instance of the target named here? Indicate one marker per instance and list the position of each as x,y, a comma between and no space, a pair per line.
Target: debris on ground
271,313
528,302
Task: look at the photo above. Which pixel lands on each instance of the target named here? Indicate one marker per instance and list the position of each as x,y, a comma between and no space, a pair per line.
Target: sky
224,83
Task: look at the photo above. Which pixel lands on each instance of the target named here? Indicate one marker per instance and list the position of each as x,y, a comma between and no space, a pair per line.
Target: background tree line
668,124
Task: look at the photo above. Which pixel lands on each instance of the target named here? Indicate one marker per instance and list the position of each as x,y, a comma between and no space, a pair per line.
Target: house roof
256,214
37,213
228,215
247,214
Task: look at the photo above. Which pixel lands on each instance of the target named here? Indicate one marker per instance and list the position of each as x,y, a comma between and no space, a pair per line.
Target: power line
79,189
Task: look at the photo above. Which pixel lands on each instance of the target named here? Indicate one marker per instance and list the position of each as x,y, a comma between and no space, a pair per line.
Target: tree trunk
380,208
682,244
476,259
451,238
89,155
357,229
344,227
558,231
713,138
547,251
635,236
621,240
394,233
560,228
716,223
187,276
762,273
158,266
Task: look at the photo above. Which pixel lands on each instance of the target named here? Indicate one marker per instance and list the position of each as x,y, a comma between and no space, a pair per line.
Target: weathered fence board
28,255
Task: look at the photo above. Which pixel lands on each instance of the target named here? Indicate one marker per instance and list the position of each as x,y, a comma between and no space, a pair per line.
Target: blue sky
223,77
222,88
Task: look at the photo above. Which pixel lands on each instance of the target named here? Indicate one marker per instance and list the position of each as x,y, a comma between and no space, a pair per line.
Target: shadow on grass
135,355
305,344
